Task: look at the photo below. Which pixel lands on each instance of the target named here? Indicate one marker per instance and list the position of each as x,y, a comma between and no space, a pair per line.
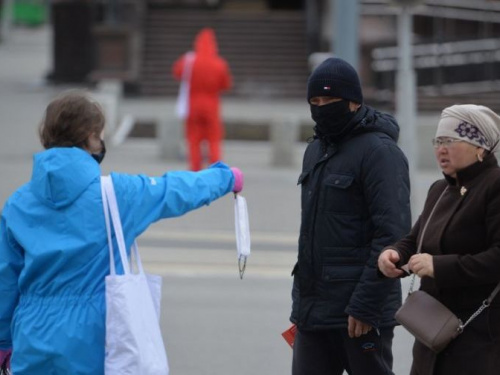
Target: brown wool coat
464,238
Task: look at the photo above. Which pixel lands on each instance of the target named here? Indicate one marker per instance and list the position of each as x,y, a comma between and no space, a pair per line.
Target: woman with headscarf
459,262
208,76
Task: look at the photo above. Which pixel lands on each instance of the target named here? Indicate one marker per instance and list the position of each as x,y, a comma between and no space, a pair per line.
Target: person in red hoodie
207,75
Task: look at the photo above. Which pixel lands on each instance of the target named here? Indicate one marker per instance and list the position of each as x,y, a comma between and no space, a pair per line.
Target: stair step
266,50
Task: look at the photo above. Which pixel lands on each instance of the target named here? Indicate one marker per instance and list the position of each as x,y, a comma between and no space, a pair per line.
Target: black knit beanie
337,78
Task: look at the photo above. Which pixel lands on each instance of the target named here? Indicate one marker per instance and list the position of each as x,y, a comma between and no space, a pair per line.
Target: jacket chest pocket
341,194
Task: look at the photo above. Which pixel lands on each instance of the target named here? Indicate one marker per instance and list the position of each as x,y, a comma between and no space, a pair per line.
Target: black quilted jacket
355,201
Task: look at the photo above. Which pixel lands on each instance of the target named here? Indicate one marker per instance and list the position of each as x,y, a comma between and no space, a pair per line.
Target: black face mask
100,156
332,120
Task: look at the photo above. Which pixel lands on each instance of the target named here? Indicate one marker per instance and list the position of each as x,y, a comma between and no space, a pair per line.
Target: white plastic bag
134,344
182,105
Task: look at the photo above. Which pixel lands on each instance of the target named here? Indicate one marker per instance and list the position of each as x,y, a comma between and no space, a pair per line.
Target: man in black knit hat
355,201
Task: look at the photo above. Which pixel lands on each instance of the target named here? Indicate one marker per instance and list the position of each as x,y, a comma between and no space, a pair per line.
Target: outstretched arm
144,200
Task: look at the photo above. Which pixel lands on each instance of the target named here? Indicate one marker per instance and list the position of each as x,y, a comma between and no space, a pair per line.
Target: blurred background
128,47
415,57
271,45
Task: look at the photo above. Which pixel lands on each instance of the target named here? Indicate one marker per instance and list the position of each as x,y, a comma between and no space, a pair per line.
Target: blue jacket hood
55,180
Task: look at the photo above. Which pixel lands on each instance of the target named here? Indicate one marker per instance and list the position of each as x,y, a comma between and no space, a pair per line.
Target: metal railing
477,10
450,68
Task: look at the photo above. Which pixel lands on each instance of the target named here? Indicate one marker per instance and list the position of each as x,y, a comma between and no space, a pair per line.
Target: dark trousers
333,351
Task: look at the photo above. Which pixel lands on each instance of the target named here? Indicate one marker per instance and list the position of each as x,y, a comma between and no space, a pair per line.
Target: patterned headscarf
475,124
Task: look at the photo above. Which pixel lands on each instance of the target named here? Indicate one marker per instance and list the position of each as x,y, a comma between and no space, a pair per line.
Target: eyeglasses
445,142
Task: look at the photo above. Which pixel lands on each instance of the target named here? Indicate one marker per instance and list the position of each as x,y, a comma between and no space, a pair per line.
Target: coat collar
468,174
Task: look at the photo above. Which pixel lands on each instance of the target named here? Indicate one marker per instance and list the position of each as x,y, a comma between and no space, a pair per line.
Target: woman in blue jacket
53,246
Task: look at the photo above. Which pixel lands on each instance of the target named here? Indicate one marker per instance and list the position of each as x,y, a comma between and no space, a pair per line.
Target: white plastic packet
242,229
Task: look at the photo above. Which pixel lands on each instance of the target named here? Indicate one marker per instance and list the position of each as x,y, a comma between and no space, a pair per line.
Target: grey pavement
213,322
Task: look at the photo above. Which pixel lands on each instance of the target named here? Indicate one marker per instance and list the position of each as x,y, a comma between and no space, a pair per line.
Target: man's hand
422,265
387,263
356,328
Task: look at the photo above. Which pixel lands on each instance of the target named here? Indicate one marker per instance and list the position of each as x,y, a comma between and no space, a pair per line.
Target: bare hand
387,263
356,328
422,265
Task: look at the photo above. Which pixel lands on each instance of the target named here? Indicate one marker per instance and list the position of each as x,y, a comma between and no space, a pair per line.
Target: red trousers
200,128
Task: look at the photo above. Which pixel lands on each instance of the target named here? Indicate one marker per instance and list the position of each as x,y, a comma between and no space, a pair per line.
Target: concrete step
243,39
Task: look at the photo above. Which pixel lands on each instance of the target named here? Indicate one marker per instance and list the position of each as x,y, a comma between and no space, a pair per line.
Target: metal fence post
169,132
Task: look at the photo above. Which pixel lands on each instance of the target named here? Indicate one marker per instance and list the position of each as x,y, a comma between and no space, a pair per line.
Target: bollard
284,134
108,94
6,19
169,131
123,130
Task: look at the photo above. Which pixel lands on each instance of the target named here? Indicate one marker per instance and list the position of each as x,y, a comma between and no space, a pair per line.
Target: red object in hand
289,335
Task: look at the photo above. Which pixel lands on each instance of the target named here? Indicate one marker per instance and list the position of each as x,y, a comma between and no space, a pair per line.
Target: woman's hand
387,263
422,265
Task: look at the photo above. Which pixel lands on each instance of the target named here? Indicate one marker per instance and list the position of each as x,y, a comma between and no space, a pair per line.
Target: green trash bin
29,12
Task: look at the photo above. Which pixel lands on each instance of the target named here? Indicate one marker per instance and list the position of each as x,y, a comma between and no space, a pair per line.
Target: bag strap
111,207
486,303
105,207
419,247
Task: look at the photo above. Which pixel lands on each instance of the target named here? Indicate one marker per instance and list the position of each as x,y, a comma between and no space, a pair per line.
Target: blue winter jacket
54,254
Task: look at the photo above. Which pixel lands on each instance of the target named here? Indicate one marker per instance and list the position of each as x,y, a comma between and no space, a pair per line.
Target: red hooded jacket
210,76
